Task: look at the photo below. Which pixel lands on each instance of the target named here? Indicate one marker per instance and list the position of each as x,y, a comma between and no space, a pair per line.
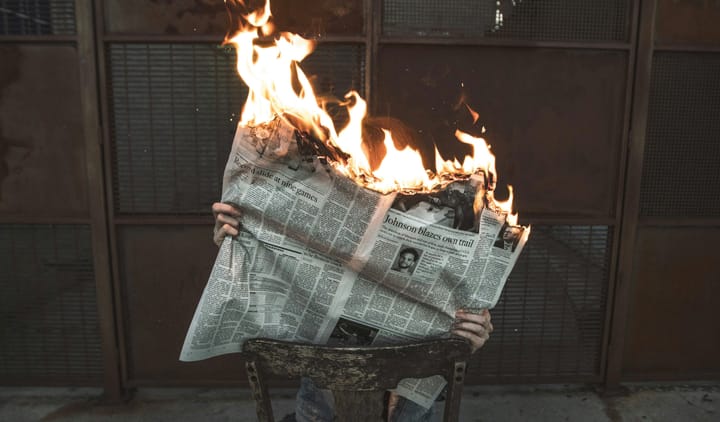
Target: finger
471,327
477,340
474,326
216,208
469,316
393,401
226,219
223,231
229,230
227,210
221,208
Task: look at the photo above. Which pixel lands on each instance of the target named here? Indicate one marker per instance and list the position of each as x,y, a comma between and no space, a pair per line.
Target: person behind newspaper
314,404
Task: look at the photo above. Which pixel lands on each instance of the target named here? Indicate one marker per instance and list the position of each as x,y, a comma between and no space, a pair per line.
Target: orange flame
411,174
268,63
506,206
473,113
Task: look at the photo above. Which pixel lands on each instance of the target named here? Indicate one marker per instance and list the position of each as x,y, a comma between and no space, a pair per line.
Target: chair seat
355,370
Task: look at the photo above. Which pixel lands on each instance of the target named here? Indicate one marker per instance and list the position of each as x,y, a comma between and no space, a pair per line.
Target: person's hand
227,221
474,327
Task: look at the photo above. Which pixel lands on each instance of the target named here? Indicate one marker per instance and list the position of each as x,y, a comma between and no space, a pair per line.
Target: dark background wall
116,118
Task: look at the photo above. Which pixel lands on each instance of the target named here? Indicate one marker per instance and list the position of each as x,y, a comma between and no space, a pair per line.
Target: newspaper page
320,259
420,271
301,234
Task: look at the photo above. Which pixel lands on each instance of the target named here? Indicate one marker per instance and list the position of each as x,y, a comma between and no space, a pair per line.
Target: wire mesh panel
421,18
549,320
195,17
175,108
37,17
335,69
48,311
550,20
682,147
174,112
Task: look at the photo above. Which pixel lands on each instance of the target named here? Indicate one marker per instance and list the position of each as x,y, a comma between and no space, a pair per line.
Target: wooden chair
358,376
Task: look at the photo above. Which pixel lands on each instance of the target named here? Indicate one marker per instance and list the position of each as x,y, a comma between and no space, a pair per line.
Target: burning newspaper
334,250
322,260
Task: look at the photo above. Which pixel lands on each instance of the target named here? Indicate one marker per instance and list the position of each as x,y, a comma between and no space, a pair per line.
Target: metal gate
119,114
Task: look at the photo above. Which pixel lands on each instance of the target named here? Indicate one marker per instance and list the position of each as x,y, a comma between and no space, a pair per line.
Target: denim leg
409,411
314,404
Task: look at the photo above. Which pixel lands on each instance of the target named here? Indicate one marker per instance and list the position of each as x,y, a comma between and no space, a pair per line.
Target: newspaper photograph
321,259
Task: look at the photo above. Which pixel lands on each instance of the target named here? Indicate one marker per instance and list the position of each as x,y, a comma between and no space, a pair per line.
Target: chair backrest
356,369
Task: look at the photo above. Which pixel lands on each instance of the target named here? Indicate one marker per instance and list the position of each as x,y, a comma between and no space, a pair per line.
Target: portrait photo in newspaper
508,238
406,260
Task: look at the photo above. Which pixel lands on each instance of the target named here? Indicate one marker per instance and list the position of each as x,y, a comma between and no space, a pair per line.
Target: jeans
316,405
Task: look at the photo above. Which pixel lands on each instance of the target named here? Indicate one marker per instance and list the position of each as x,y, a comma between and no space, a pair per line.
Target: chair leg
455,387
263,405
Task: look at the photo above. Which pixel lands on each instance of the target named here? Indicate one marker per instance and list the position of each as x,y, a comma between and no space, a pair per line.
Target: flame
473,113
259,18
277,85
269,63
400,169
481,159
350,138
506,206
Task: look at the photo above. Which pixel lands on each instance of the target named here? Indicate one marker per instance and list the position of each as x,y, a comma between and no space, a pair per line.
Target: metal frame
98,211
114,220
618,298
84,40
631,197
492,42
108,199
372,39
91,39
633,222
45,39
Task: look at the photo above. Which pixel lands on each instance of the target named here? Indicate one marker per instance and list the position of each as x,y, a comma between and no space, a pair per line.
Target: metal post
631,198
112,380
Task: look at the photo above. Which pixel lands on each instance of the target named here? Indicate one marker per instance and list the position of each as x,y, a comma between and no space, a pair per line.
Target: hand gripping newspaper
320,259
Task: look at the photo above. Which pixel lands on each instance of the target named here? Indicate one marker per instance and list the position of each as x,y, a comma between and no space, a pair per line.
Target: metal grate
425,17
682,148
547,20
549,321
48,310
174,113
336,69
37,17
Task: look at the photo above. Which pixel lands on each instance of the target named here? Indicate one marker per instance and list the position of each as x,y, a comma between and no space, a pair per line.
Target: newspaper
320,259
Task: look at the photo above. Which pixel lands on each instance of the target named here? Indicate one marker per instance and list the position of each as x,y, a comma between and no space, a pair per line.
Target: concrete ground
641,402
